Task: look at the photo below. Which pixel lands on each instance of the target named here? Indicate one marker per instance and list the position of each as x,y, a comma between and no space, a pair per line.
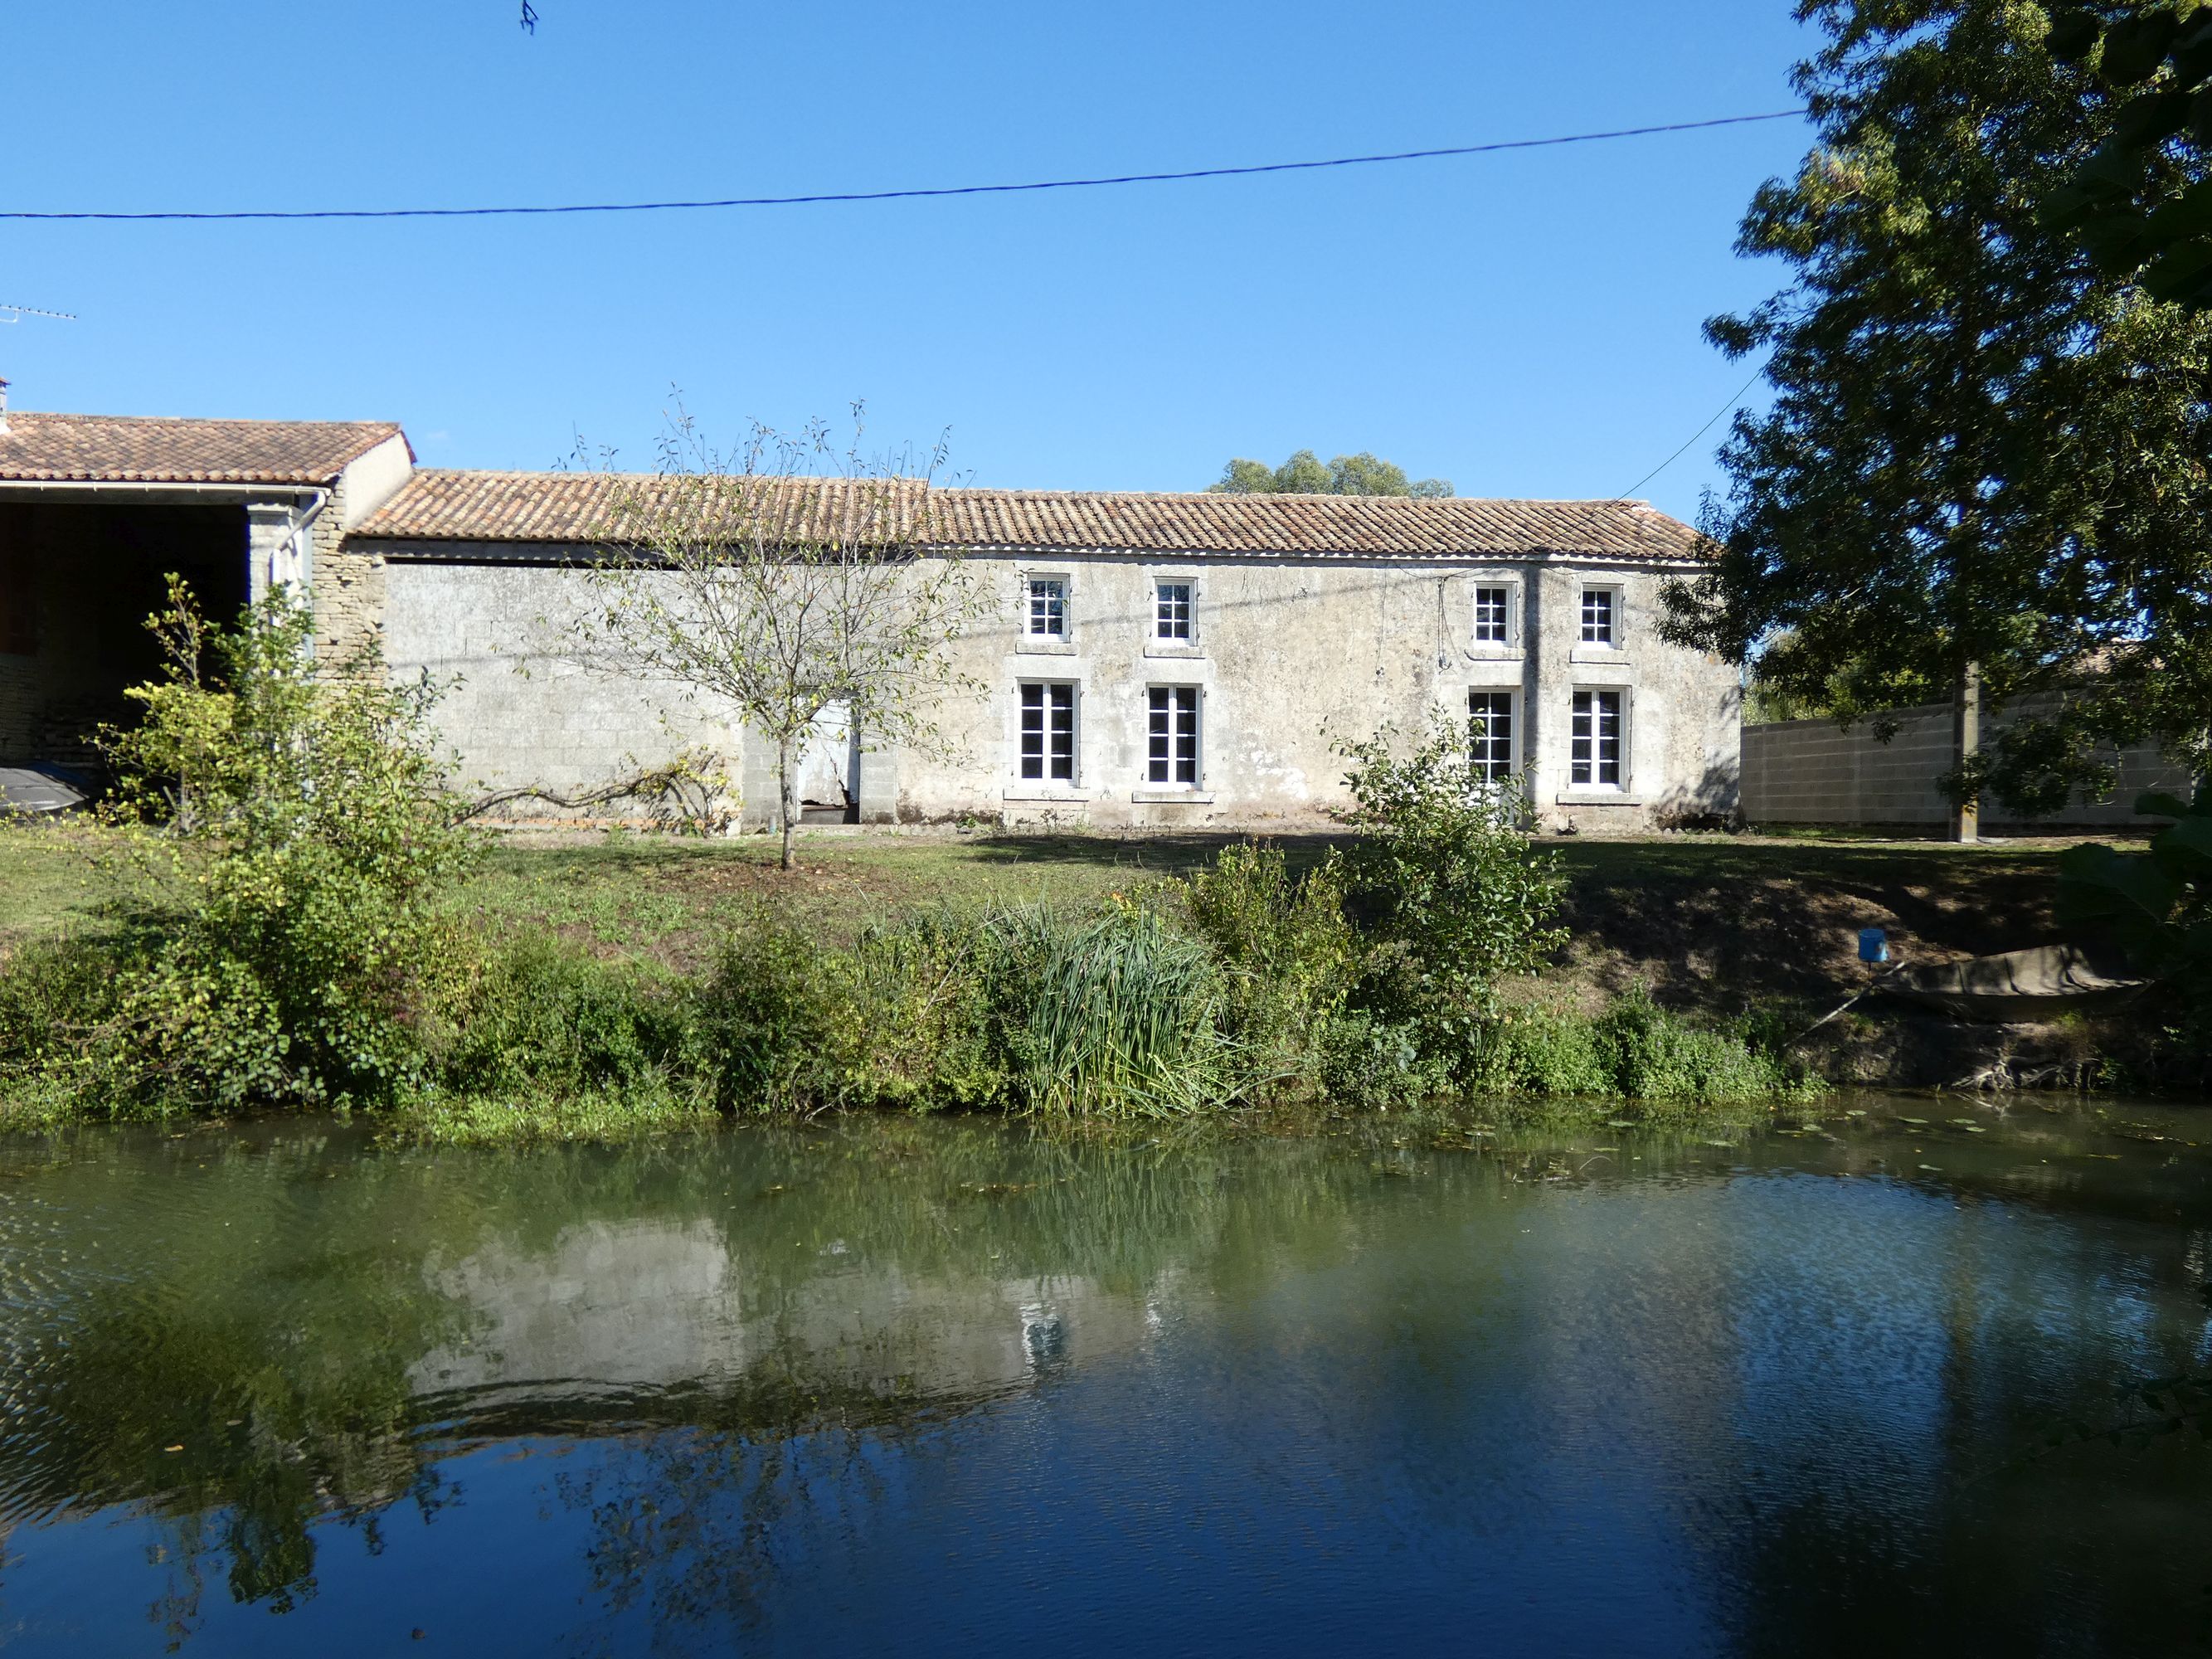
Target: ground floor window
1596,751
1490,730
1173,754
1048,731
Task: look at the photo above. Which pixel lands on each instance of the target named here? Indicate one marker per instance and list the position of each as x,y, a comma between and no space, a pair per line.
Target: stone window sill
1604,653
1496,653
1042,647
1172,796
1184,649
1598,798
1037,791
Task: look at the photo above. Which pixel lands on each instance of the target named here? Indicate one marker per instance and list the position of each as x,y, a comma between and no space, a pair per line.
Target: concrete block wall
512,712
1813,772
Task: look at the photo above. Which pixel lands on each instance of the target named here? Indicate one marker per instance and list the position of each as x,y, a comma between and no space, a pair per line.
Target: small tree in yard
288,844
783,581
1457,897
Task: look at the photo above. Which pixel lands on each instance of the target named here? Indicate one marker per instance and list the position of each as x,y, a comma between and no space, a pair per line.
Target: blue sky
1523,324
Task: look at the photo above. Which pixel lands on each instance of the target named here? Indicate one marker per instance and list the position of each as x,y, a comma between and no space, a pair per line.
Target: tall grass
1123,1017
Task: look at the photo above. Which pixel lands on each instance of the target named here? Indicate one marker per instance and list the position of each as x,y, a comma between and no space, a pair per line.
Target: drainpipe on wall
279,547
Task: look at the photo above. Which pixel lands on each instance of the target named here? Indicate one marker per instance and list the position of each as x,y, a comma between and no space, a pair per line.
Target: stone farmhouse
1148,659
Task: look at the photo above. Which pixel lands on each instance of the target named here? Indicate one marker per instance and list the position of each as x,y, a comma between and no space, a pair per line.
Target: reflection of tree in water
278,1296
689,1524
846,1289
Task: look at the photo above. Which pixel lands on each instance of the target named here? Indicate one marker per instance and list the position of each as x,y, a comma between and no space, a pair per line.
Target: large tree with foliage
1306,474
1984,453
2140,202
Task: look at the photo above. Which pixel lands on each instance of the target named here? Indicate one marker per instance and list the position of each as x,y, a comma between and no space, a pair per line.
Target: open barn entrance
77,582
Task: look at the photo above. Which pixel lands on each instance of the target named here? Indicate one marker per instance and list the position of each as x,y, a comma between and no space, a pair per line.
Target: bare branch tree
786,580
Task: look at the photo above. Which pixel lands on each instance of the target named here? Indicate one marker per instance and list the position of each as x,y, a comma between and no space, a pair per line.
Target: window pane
1608,738
1490,616
1063,733
1033,731
1048,607
1597,615
1172,611
1490,723
1579,751
1172,756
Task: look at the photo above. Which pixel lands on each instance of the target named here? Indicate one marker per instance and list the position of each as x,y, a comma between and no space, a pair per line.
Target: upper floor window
1048,732
1048,617
1173,756
1171,611
1494,616
1598,615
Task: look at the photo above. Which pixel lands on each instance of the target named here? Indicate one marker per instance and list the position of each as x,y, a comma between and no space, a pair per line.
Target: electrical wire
1742,391
900,195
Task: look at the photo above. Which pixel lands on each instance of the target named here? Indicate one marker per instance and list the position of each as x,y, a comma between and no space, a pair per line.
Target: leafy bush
1633,1050
280,938
1453,895
545,1020
777,1021
1287,948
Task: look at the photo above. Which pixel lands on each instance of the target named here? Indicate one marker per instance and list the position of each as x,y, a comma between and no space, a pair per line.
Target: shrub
777,1020
931,994
289,841
545,1020
1448,883
1287,952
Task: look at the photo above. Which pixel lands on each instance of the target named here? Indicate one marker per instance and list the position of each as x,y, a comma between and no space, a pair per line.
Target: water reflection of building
657,1303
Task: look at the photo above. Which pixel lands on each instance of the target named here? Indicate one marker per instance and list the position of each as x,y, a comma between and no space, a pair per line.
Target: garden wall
1812,772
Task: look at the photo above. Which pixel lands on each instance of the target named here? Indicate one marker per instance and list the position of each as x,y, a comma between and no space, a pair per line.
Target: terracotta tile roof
41,449
564,508
573,508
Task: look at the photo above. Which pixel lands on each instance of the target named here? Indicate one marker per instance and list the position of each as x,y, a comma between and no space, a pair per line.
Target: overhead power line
907,195
1742,391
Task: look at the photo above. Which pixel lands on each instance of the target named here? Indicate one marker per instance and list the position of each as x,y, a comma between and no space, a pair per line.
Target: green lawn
1708,920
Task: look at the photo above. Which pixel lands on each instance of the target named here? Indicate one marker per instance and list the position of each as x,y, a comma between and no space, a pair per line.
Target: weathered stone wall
1285,654
1813,772
513,713
347,579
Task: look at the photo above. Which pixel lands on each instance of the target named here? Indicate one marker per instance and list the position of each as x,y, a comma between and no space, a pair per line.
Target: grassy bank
1710,923
631,985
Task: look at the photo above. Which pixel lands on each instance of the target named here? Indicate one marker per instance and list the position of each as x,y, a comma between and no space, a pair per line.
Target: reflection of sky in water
796,1397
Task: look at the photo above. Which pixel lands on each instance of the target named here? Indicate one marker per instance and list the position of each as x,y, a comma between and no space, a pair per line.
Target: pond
926,1386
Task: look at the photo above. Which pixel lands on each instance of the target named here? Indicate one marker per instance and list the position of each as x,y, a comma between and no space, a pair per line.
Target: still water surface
934,1387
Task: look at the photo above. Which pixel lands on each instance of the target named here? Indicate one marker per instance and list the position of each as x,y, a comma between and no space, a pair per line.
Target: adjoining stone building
1152,661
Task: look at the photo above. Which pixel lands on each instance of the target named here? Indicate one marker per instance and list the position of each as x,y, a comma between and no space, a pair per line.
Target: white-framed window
1489,734
1594,754
1047,608
1048,731
1171,608
1171,757
1601,616
1493,615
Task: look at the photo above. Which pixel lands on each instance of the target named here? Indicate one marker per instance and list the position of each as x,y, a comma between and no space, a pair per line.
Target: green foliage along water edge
282,933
